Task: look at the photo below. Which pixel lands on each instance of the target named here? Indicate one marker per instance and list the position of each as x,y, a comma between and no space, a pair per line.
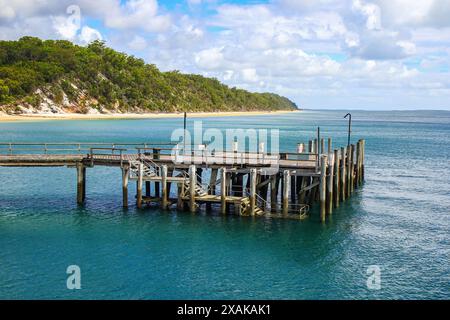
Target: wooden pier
284,185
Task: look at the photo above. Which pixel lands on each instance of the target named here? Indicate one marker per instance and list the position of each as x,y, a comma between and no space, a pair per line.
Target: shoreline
134,116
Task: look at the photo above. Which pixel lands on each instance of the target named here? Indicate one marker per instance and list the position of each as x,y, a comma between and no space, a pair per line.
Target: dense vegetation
79,78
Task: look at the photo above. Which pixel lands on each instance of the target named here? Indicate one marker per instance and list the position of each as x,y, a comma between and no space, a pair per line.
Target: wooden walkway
255,184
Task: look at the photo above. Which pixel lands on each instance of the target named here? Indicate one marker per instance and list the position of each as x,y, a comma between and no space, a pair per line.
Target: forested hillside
57,76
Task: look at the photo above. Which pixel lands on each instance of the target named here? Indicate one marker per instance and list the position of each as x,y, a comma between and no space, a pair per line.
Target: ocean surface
399,221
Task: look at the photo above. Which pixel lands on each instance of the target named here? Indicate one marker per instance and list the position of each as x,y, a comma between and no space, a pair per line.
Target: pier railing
17,148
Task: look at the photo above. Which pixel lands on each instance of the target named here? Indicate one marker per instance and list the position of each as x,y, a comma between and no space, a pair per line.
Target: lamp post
349,115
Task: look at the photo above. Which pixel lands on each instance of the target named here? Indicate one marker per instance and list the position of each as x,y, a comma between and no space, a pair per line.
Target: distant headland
56,78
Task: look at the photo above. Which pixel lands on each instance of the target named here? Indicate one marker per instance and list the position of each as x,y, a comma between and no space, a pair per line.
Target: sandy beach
129,116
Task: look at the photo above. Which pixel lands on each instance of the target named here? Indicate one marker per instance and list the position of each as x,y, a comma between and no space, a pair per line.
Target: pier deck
282,185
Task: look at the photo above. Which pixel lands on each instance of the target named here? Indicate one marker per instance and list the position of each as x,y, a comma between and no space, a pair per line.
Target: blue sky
361,54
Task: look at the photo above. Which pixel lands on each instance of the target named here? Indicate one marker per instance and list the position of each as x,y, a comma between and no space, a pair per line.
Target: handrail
92,153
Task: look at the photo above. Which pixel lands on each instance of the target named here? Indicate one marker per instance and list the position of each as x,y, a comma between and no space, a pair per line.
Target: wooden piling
125,176
322,186
343,174
192,185
273,193
223,191
139,185
337,178
286,191
164,202
322,146
293,188
252,191
330,178
329,146
358,163
81,183
363,143
302,194
352,168
349,171
180,192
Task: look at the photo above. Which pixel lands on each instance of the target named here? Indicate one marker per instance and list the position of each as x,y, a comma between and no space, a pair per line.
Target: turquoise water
399,221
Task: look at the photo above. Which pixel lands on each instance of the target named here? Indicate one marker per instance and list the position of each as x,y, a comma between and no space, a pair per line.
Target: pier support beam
223,191
286,191
81,183
252,191
125,176
343,174
139,185
337,178
322,186
352,168
349,171
273,192
165,192
330,182
192,185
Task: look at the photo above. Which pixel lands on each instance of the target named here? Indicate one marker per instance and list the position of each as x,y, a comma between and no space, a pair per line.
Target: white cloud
370,11
138,43
88,35
210,59
137,14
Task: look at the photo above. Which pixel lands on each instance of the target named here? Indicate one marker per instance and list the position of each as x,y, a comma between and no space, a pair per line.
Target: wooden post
349,170
352,168
358,163
192,185
164,187
293,188
322,146
323,183
286,187
330,182
310,147
300,147
329,145
337,178
212,186
213,181
81,183
252,191
139,185
343,174
180,191
302,194
273,193
363,143
125,175
223,191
